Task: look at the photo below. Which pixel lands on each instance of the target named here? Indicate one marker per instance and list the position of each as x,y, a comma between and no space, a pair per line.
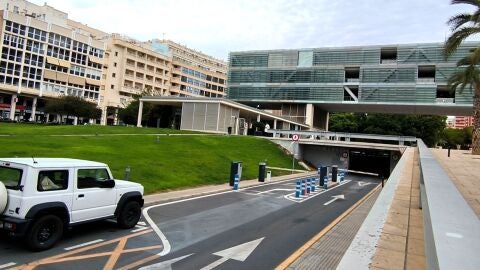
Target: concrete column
34,109
13,106
258,118
115,117
47,116
75,120
103,118
321,119
274,123
140,112
309,111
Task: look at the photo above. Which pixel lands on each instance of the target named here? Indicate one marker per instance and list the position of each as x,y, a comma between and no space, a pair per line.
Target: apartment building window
12,54
96,52
32,73
79,58
33,59
112,86
115,64
58,52
35,46
113,75
116,53
77,70
15,9
10,68
80,47
15,28
56,68
37,34
93,73
59,40
13,41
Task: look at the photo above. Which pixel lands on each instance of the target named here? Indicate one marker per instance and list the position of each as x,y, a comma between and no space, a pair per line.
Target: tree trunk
476,124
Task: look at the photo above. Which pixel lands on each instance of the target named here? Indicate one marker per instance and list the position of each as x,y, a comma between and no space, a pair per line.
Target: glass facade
411,73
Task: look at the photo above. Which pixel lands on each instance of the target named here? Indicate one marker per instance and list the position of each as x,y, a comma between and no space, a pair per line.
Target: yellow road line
54,259
292,258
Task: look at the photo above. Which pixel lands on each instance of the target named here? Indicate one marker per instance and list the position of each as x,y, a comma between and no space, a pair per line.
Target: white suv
40,197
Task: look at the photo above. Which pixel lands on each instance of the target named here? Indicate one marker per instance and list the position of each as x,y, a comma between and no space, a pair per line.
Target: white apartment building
46,55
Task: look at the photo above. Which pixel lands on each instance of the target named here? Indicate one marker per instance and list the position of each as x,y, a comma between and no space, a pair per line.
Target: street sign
295,137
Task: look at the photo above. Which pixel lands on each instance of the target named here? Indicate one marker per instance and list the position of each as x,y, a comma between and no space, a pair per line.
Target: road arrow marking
238,253
337,197
166,265
361,183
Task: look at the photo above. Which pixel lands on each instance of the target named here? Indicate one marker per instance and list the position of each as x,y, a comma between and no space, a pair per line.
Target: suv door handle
81,195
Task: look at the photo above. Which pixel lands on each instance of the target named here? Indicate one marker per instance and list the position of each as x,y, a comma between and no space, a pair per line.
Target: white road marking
361,183
238,253
139,229
3,266
166,265
85,244
166,244
337,197
142,223
275,189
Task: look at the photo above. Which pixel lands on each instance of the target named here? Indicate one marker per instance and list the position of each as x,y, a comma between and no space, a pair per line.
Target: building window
112,86
115,64
113,75
116,53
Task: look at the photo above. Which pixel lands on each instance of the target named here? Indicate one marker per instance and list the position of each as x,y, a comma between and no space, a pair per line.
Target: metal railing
341,136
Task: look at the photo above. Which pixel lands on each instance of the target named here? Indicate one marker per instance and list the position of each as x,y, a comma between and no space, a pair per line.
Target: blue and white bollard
342,177
298,189
236,182
309,184
314,183
325,182
303,188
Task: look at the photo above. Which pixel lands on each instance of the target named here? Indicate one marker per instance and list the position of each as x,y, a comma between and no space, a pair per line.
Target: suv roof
52,162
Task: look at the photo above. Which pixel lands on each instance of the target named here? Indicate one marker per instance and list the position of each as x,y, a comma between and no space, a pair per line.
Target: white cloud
217,27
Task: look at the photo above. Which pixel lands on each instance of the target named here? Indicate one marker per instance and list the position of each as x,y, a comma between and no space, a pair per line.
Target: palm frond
454,41
459,20
467,2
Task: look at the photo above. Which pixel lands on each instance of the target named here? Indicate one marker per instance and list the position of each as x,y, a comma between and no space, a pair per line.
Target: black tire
129,215
44,233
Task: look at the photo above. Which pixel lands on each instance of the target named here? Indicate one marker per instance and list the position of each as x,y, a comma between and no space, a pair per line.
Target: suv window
10,177
90,178
52,180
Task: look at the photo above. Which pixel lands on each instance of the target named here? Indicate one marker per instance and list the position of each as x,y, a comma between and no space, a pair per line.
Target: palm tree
465,25
468,76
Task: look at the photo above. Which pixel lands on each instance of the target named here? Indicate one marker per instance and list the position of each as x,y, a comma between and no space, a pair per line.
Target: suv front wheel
44,233
129,215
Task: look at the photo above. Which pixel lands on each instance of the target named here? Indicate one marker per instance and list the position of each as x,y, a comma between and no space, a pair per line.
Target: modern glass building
306,84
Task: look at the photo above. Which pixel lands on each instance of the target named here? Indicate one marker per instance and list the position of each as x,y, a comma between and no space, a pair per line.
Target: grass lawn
38,129
174,162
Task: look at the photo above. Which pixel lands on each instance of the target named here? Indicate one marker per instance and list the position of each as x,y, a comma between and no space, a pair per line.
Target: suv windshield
10,177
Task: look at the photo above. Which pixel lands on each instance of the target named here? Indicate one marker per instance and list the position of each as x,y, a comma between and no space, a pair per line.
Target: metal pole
293,157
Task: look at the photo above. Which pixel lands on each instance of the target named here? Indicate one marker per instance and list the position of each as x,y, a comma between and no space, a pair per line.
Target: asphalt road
254,228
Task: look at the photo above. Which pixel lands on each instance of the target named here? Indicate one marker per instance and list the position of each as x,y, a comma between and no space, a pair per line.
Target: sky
217,27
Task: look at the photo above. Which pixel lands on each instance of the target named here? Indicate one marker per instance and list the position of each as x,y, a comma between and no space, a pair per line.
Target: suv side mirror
110,183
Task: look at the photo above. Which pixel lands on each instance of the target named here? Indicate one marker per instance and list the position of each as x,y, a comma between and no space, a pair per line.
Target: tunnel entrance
374,161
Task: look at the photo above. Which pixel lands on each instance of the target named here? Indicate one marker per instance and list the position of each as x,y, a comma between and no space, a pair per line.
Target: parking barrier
298,189
309,184
236,182
325,182
303,188
314,183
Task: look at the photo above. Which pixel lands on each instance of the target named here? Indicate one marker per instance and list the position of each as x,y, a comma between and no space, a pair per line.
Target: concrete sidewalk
464,170
203,190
